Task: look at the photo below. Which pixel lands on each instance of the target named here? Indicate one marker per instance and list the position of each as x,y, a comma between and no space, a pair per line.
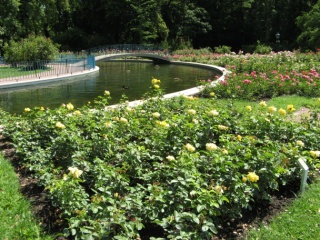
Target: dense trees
80,24
310,32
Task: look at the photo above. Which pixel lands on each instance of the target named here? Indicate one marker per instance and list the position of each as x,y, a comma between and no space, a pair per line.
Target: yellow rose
156,115
170,158
195,121
222,127
249,108
27,109
263,104
224,151
282,112
189,147
213,113
244,179
75,172
253,177
189,97
211,146
155,81
300,143
156,86
290,108
239,137
272,109
108,124
70,106
212,94
77,112
123,120
164,124
315,153
218,189
192,112
107,93
60,125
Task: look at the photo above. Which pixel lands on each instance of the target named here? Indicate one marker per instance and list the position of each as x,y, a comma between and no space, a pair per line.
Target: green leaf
139,226
204,228
73,231
196,219
200,208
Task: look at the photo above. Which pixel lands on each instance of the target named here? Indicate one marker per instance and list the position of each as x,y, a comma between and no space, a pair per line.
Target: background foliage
32,48
80,25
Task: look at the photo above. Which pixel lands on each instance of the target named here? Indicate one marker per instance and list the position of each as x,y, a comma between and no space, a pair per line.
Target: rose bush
165,169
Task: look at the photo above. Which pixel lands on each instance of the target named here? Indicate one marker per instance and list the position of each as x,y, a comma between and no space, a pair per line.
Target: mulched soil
48,216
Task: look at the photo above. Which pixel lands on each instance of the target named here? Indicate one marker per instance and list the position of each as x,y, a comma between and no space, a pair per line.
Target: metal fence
126,48
44,68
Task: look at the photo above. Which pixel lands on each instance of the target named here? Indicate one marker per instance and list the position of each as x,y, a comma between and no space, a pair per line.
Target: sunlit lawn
299,221
16,219
7,72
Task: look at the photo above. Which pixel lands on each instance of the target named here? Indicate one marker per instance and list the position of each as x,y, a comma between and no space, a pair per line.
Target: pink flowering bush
255,76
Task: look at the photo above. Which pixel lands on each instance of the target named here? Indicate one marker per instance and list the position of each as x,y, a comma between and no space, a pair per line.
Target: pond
129,78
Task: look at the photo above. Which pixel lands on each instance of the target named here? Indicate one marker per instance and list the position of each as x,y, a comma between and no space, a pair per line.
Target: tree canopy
78,25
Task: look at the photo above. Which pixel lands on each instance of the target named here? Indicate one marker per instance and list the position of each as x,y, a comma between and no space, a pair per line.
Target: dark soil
49,219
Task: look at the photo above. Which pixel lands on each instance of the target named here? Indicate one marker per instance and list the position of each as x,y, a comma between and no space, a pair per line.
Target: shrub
33,48
262,48
222,49
182,163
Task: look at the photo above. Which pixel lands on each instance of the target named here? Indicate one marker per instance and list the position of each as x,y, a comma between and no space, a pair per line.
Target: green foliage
181,164
200,23
32,48
308,23
262,48
222,49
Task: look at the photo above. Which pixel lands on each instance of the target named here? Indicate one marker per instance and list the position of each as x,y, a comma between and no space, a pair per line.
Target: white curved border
25,82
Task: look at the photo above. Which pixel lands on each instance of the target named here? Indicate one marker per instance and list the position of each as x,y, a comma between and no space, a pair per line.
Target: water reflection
119,78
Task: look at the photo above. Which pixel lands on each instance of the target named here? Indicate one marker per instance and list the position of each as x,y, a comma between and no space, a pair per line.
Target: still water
132,79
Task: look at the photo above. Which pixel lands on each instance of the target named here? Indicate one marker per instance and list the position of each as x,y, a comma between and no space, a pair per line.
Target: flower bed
169,169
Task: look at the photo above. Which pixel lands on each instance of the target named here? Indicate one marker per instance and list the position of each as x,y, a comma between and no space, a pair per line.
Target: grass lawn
7,72
299,221
17,221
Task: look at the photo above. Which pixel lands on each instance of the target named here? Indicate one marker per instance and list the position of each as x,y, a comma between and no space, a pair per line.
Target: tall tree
147,25
9,24
185,19
309,23
32,15
226,19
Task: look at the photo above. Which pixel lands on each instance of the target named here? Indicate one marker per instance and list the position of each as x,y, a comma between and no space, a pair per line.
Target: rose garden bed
183,168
